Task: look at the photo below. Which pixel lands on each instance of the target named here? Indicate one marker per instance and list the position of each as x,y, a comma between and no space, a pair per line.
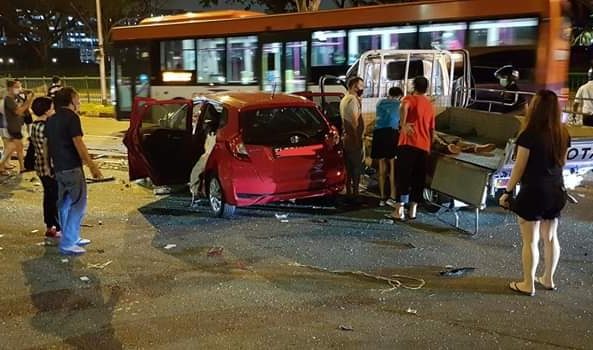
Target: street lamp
102,74
11,60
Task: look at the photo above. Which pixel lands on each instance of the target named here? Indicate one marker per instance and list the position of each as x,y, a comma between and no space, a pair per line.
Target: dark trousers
588,119
50,202
411,173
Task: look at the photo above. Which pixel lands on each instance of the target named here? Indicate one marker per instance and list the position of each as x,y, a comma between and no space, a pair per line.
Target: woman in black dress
540,157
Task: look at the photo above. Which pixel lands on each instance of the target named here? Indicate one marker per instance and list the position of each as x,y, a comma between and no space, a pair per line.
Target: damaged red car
268,147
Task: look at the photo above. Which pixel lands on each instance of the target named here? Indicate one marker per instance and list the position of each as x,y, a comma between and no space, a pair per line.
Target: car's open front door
159,141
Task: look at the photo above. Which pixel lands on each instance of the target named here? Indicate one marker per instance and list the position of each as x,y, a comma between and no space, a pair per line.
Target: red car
269,147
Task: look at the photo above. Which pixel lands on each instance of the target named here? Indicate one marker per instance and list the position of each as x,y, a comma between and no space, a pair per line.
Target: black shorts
384,144
534,203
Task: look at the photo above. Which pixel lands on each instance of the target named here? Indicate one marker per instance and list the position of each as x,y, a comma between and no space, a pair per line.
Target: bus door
284,61
131,76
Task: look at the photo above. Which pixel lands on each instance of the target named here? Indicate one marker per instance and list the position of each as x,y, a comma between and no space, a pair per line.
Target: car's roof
241,100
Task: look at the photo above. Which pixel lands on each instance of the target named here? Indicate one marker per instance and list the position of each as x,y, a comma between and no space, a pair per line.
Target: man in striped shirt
43,109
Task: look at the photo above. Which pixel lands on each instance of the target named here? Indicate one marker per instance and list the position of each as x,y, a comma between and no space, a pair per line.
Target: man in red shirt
417,123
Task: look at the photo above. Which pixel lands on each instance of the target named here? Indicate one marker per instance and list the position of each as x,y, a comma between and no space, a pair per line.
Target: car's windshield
281,127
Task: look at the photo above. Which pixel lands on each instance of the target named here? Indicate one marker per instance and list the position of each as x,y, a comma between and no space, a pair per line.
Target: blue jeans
71,204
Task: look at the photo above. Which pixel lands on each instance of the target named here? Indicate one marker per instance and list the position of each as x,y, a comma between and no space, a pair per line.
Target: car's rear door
160,142
288,146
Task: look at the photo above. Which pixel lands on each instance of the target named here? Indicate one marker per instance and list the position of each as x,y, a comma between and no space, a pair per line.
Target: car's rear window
282,127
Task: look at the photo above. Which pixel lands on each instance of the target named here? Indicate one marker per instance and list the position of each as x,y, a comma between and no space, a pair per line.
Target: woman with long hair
540,156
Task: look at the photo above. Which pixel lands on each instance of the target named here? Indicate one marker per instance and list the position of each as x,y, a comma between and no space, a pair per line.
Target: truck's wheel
431,198
216,200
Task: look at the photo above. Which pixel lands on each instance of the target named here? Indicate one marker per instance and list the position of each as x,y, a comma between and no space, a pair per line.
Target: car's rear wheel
216,199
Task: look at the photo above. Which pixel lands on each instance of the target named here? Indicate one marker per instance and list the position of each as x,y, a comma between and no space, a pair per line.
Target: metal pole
101,54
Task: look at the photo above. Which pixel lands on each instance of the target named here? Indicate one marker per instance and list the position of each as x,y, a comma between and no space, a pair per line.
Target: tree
114,12
38,24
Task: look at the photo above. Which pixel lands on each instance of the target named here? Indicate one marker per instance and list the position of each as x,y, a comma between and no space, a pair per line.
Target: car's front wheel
216,199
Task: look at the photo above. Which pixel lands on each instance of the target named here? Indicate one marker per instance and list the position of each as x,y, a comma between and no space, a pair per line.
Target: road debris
100,222
282,217
458,272
395,281
1,248
386,221
215,251
170,246
320,221
1,235
99,266
64,260
85,279
87,225
90,180
159,191
412,311
34,231
346,328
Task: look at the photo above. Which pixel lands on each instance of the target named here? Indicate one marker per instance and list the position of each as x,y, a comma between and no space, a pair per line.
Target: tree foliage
37,24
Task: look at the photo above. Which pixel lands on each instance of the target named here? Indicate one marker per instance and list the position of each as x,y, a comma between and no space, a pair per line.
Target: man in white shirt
353,125
583,101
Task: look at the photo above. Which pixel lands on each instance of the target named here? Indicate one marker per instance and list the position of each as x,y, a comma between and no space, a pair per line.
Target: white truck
466,179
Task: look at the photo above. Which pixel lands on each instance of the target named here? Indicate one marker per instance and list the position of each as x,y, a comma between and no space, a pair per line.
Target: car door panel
159,141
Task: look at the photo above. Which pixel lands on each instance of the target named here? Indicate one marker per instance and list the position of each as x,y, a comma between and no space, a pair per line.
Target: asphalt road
155,277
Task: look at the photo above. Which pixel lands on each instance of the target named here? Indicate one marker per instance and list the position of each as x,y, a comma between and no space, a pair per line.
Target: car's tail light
237,148
333,137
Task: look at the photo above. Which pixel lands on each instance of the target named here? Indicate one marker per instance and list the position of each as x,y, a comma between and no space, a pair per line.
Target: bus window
212,61
295,58
271,66
361,40
446,36
329,48
506,32
241,59
178,55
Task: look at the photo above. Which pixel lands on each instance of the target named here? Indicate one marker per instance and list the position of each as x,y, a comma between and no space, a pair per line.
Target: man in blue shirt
68,153
385,137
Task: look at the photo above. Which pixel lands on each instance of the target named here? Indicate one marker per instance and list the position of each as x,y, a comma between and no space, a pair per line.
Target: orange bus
194,53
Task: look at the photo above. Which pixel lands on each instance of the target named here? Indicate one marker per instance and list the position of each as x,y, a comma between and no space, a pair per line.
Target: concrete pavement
149,282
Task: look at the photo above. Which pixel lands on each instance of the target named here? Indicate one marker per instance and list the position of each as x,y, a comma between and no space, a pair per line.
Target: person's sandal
540,280
513,286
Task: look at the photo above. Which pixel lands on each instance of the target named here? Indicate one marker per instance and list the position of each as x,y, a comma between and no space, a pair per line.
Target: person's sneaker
381,203
73,250
82,242
53,233
391,202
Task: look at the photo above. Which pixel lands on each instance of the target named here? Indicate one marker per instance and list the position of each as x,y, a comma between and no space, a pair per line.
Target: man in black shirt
68,153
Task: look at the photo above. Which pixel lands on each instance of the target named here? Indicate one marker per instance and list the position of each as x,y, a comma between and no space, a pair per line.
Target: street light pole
102,76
